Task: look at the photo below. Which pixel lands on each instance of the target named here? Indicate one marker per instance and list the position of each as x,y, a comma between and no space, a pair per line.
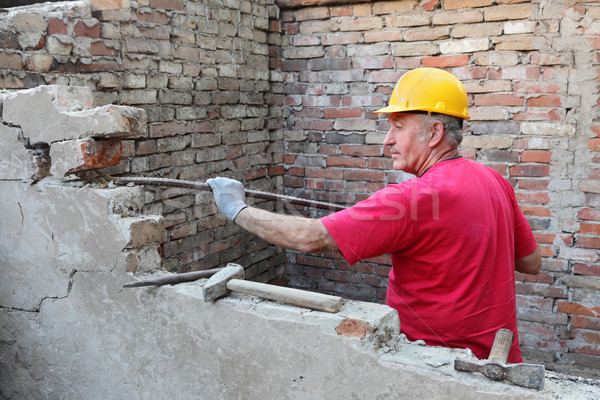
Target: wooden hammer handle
501,347
302,298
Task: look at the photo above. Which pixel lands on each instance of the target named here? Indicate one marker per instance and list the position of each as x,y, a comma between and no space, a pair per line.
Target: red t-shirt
453,235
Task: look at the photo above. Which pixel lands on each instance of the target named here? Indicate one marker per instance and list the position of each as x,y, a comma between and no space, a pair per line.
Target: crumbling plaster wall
68,328
200,70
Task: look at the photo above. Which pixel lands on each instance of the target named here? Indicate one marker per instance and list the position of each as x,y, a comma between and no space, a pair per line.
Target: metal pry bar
203,186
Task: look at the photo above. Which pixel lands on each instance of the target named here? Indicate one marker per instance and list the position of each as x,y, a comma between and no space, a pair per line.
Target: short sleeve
373,227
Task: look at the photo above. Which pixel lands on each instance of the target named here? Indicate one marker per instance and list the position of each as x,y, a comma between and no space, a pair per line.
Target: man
455,232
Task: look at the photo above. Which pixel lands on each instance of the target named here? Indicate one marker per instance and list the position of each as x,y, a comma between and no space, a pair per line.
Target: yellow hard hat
429,89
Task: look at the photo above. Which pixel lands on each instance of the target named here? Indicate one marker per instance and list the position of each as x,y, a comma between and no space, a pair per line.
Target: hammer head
495,367
216,286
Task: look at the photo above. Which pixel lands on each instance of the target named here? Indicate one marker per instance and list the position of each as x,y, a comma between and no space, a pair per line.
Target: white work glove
229,195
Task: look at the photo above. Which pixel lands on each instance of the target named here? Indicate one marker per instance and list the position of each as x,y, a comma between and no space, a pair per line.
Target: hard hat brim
393,109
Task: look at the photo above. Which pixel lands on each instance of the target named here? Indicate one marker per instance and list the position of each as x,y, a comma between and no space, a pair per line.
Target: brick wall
531,69
200,69
213,77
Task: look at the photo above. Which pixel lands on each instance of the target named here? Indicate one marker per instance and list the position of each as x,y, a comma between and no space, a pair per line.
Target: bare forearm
530,264
290,232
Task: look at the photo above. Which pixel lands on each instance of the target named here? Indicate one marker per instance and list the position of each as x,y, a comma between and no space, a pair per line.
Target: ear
436,134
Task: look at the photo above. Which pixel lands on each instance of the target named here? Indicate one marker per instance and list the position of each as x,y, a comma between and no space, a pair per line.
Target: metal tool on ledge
496,368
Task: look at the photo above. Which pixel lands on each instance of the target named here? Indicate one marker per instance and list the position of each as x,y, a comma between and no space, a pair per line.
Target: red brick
383,76
356,187
289,159
546,59
293,181
542,277
9,40
314,184
585,269
337,186
364,175
349,162
539,156
430,5
585,323
362,150
255,174
99,48
544,238
99,67
167,4
379,163
578,309
535,87
538,289
57,27
593,229
534,302
498,100
276,170
331,113
533,198
446,62
81,29
588,242
530,170
99,153
538,115
329,149
314,124
327,173
585,342
533,184
589,214
547,251
296,171
536,211
544,101
594,144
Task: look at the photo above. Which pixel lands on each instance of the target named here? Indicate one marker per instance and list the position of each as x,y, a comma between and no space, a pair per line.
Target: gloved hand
229,196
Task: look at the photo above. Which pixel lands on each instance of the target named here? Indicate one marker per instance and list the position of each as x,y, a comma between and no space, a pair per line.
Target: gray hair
453,127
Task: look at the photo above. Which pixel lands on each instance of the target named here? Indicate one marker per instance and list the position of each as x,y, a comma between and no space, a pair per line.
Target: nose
389,138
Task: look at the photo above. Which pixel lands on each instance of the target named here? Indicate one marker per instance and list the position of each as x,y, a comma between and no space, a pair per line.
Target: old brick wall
531,68
200,70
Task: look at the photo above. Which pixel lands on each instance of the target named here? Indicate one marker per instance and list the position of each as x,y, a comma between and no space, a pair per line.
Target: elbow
315,239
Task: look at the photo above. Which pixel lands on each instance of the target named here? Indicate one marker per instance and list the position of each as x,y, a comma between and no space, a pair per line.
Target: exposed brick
544,101
364,175
167,4
538,156
589,228
508,12
10,61
459,4
57,26
508,100
88,28
445,62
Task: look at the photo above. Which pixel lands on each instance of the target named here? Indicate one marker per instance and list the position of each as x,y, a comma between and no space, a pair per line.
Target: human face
409,149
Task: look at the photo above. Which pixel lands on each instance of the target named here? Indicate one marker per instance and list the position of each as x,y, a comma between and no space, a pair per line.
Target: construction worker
455,232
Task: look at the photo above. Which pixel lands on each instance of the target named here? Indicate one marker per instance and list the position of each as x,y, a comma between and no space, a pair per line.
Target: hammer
495,367
231,278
